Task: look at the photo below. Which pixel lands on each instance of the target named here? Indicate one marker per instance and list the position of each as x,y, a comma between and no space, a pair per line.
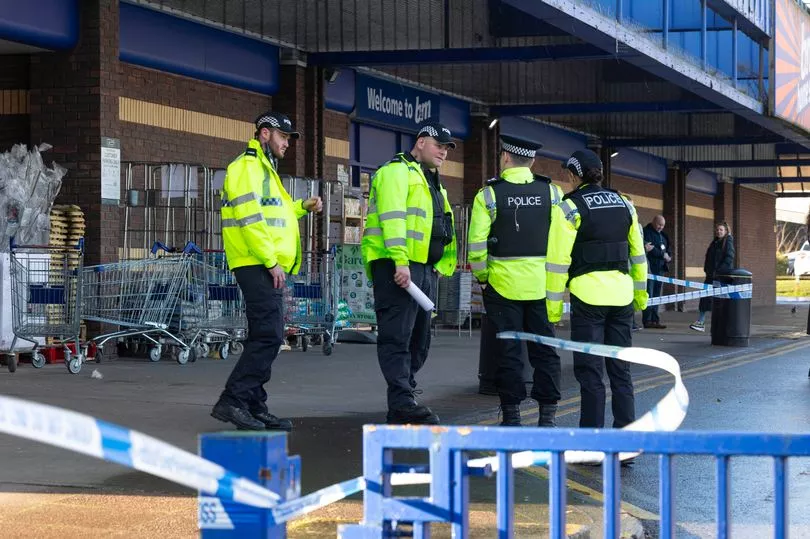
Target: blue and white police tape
93,437
740,291
666,416
680,282
90,436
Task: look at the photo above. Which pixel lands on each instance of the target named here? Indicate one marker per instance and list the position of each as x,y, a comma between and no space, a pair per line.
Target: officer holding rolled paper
508,237
409,237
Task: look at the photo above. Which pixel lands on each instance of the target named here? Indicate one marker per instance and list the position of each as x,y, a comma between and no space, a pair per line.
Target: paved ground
48,492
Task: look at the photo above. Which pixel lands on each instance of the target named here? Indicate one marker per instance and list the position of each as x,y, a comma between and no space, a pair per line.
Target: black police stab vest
601,243
522,220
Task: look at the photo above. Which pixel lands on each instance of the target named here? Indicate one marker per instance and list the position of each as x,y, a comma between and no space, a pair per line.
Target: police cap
518,146
276,120
582,161
437,131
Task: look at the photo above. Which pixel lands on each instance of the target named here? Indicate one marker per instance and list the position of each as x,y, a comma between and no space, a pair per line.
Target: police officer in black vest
507,252
594,234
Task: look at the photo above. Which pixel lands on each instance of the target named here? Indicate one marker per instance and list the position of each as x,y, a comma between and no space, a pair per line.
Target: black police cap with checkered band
582,161
276,120
518,146
438,132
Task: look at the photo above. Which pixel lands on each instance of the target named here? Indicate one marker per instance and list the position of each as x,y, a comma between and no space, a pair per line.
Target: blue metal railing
449,473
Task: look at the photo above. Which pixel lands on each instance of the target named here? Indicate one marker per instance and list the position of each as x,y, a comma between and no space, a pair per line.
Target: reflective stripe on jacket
400,217
259,219
515,278
595,288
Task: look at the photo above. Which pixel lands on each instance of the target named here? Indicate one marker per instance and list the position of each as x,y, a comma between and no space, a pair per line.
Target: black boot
548,413
511,415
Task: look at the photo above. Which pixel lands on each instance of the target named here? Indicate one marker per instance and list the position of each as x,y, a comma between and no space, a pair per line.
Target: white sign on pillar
110,170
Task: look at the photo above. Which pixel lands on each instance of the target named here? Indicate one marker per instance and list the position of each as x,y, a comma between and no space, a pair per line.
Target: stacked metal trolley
46,293
211,313
310,302
139,297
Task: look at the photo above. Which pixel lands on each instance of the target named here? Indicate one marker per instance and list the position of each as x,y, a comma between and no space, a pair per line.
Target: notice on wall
110,170
342,174
356,286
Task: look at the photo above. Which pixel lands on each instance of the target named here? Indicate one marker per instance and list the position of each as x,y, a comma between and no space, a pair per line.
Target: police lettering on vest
524,201
601,243
604,199
522,219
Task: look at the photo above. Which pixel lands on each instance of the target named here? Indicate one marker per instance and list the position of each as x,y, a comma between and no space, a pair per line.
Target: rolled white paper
420,297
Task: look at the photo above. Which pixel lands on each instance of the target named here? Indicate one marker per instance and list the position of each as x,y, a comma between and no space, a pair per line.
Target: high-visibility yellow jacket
259,219
521,278
598,287
400,217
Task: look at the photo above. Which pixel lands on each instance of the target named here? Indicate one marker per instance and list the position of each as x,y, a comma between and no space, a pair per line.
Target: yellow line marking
645,385
637,512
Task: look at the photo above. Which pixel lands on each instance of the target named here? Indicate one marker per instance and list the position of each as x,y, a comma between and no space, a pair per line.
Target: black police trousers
602,325
532,317
264,307
403,328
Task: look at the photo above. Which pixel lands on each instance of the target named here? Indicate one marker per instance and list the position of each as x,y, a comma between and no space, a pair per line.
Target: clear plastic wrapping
28,188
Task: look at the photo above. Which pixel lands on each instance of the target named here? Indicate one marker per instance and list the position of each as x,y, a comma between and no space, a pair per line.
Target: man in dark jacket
659,254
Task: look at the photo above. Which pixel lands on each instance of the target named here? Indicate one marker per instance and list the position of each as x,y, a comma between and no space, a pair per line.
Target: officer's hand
667,258
278,275
648,247
313,204
402,276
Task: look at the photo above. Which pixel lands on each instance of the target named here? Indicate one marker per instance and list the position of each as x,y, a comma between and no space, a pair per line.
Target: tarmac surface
48,492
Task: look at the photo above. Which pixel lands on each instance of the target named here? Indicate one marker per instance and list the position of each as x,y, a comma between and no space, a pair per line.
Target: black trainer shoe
416,414
238,416
272,422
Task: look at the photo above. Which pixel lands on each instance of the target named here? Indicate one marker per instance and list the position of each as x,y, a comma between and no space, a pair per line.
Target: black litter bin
488,359
731,318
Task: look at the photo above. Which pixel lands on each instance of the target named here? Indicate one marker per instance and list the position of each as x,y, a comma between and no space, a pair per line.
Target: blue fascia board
47,24
691,141
339,95
549,109
702,181
748,163
639,165
603,31
160,41
460,55
771,179
788,148
557,143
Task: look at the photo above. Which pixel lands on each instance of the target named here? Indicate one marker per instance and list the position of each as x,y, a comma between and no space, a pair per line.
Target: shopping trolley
139,296
310,301
223,323
45,296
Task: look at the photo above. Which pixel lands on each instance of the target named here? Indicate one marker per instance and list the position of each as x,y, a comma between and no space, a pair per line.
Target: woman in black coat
719,260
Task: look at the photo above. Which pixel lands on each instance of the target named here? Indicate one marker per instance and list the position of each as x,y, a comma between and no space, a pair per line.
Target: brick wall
154,144
480,157
699,231
647,196
756,240
336,126
65,111
14,117
453,185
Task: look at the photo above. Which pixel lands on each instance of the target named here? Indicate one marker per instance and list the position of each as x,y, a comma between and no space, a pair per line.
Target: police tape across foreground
90,436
